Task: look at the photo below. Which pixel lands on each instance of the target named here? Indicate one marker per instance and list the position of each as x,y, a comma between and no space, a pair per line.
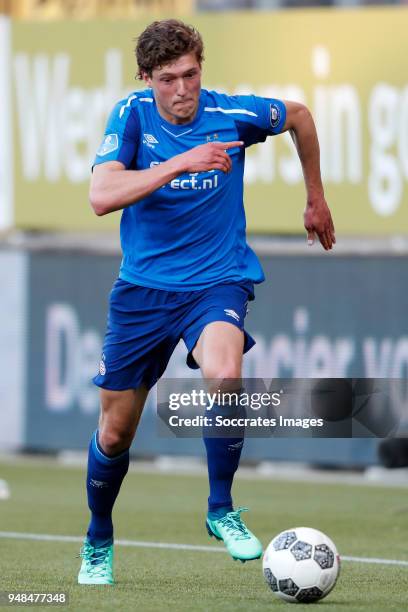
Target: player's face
176,88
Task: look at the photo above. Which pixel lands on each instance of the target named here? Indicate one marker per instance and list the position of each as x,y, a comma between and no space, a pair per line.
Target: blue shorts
145,326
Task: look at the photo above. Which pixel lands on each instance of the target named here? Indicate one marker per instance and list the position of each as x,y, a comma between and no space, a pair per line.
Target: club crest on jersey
150,140
275,115
110,143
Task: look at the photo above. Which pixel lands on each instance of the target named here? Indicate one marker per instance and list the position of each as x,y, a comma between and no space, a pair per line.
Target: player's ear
147,79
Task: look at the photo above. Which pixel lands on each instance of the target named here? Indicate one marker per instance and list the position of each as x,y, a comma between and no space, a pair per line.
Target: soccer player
173,160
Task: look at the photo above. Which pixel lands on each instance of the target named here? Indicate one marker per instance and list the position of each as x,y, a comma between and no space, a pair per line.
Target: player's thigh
219,351
139,340
119,416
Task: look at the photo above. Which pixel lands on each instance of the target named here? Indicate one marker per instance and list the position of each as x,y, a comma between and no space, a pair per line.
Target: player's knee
225,377
113,441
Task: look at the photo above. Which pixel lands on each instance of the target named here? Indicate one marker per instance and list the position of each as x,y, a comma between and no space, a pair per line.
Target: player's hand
318,221
209,156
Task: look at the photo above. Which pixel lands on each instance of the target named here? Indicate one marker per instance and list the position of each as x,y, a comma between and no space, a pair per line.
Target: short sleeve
260,117
121,137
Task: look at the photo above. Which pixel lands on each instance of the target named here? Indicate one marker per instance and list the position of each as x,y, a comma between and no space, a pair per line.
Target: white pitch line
46,537
375,561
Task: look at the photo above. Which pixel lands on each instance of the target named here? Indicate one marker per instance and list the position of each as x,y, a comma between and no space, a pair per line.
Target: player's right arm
114,187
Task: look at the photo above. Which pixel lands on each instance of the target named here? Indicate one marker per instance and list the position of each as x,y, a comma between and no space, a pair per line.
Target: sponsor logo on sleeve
110,143
275,115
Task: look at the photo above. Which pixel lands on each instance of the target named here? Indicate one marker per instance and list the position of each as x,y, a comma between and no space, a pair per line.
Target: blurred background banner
60,80
60,302
14,347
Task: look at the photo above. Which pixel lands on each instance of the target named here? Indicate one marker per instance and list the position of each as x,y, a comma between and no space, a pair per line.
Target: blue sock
223,455
104,478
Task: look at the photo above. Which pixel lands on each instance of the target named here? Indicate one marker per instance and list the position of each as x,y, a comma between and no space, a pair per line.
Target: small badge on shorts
275,115
102,366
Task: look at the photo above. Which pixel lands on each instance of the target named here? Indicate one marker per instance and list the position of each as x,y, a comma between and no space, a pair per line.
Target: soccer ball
301,565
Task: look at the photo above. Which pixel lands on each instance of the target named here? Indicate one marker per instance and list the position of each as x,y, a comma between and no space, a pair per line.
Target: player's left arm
317,218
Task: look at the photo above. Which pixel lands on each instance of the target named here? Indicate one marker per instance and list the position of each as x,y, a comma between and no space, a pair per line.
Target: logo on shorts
231,313
102,366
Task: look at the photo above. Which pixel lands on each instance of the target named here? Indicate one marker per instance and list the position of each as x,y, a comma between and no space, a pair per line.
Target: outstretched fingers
229,145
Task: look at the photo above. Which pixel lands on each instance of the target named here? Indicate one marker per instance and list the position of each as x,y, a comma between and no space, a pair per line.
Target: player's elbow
298,115
305,116
99,202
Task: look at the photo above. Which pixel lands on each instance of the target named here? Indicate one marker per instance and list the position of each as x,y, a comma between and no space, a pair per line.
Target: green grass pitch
364,521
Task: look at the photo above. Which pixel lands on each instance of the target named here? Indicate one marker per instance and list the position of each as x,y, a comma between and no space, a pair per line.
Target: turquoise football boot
97,564
239,541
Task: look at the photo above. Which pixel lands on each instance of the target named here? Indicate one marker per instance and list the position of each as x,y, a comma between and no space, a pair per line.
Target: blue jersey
189,234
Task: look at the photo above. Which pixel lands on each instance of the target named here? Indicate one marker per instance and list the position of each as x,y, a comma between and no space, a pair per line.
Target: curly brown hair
165,41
